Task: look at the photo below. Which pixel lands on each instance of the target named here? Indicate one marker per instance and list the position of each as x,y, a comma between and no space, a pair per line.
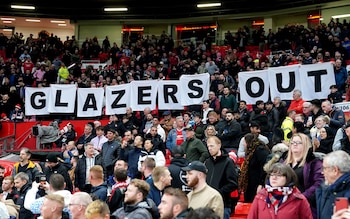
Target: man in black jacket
222,173
229,132
22,185
178,161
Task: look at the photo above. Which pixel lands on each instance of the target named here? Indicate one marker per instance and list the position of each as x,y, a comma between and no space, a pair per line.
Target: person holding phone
336,170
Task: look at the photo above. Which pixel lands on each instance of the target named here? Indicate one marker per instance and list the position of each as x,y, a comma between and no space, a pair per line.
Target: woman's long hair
306,146
252,143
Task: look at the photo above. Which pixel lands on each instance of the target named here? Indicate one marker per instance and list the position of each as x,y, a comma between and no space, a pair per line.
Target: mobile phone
341,203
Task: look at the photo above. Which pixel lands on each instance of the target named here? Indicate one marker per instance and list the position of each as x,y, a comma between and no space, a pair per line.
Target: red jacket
296,207
296,105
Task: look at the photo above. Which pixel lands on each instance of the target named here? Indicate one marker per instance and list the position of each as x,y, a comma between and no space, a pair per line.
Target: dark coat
23,213
256,173
100,191
229,134
222,176
326,195
178,175
80,171
61,169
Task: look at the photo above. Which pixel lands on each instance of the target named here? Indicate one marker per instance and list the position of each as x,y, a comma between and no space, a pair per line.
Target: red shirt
179,137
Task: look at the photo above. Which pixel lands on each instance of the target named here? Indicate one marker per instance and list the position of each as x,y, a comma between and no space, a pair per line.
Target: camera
40,178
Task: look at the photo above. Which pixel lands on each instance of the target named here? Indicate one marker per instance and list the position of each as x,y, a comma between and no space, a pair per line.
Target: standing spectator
156,139
22,185
228,100
99,186
202,194
229,132
297,102
178,160
167,122
132,157
307,166
214,101
272,117
99,139
287,124
52,165
340,75
337,116
160,129
25,165
150,151
335,96
174,204
177,135
110,152
280,196
193,147
161,179
222,174
252,173
336,171
88,160
52,207
97,209
85,138
205,110
135,204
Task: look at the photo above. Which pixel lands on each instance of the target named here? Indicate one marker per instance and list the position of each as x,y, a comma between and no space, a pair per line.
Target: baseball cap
166,113
177,151
189,128
269,102
196,165
51,157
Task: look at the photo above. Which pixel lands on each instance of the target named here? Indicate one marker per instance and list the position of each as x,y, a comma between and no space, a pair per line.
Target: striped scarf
277,195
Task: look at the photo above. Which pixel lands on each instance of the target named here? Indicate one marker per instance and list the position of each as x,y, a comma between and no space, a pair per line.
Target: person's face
212,119
277,180
192,178
23,156
128,136
296,95
46,208
326,107
255,130
120,164
189,134
87,130
166,207
205,105
110,135
323,133
306,109
167,178
131,195
296,145
210,131
19,183
328,172
319,123
242,105
138,141
155,121
76,209
148,145
6,185
89,150
153,131
213,147
180,123
99,132
229,117
2,173
186,117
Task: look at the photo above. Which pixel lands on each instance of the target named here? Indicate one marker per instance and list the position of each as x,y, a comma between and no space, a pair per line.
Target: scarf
277,195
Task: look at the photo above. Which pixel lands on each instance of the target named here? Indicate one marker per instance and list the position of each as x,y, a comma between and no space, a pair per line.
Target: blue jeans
227,213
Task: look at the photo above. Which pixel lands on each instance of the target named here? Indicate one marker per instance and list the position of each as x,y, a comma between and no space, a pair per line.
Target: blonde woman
307,166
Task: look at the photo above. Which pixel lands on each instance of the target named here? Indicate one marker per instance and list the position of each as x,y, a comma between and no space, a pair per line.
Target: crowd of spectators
132,150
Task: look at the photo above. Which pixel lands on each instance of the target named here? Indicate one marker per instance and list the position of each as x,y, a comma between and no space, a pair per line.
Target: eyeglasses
69,205
324,168
278,175
295,142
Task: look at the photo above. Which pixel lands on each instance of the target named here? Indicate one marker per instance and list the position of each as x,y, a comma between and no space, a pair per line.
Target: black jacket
61,169
23,213
80,171
178,175
223,176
